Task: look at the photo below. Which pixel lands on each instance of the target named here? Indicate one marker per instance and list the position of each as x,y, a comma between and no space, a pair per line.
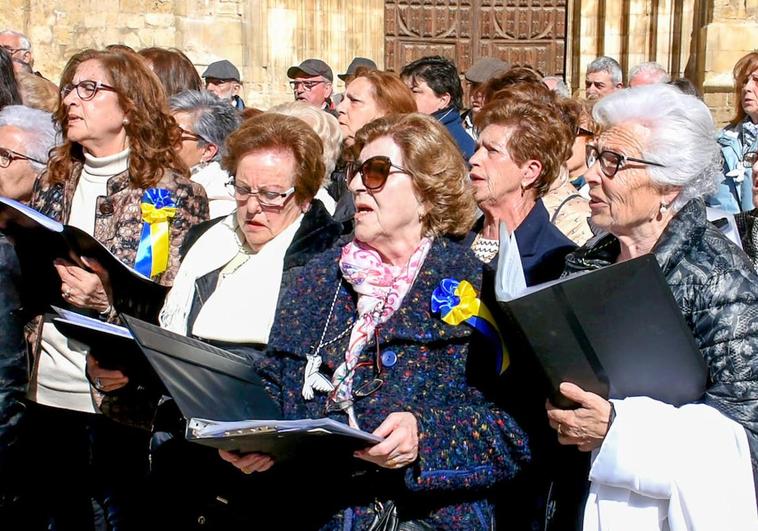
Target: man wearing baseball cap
312,82
480,72
223,79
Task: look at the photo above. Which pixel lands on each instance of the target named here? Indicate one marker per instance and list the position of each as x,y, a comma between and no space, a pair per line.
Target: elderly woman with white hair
26,137
206,122
655,466
328,130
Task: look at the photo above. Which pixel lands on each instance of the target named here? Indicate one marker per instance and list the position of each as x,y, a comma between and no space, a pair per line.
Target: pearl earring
664,208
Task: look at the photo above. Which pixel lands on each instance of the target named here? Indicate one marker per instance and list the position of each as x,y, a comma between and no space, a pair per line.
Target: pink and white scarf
381,289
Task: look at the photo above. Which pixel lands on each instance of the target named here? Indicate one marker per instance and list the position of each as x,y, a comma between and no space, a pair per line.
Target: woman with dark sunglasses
648,172
356,339
117,161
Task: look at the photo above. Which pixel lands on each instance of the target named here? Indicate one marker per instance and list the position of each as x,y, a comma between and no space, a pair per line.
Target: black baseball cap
355,64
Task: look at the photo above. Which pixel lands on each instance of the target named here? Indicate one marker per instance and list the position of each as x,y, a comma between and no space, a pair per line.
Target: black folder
617,332
226,404
39,241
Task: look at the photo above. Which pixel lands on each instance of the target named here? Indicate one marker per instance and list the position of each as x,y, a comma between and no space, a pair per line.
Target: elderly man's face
12,45
225,89
599,84
311,89
17,179
625,203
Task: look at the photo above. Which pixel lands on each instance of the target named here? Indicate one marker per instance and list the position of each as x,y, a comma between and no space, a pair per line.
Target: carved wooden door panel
518,31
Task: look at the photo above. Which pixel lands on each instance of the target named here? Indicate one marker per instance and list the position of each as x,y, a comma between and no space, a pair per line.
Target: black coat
14,374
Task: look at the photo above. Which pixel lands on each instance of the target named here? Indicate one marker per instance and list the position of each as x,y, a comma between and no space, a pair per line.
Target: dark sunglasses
581,131
374,172
610,161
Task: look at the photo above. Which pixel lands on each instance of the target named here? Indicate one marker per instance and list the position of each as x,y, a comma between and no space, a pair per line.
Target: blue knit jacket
444,375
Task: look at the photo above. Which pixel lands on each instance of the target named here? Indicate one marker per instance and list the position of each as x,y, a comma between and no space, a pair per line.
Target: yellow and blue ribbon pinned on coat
457,302
158,208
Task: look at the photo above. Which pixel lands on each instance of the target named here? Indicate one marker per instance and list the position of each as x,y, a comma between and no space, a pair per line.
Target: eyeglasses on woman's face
192,137
7,156
610,161
374,172
86,89
265,198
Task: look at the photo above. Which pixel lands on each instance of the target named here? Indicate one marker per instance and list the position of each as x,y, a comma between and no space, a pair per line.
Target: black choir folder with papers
616,331
226,405
40,240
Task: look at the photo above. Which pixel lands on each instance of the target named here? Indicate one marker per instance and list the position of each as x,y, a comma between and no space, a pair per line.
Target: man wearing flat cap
312,82
480,72
223,79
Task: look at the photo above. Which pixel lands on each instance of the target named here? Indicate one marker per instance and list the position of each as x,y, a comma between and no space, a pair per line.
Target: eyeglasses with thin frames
265,198
7,156
367,388
194,137
86,89
13,51
610,161
307,85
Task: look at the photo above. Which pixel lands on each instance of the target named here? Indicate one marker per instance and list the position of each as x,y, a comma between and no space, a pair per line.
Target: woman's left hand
400,446
585,426
82,288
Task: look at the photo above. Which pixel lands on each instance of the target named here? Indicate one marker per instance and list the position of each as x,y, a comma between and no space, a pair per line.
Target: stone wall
699,39
261,37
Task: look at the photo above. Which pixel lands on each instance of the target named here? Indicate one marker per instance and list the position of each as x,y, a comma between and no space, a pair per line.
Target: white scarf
213,178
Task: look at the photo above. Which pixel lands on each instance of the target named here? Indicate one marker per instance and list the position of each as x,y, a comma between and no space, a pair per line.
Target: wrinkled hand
585,426
105,380
82,288
248,463
400,446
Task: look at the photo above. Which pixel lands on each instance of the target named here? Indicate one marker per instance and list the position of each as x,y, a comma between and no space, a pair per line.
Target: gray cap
355,64
311,67
222,70
485,68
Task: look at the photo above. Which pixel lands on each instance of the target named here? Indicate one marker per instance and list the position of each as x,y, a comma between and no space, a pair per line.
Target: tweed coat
445,375
717,290
118,221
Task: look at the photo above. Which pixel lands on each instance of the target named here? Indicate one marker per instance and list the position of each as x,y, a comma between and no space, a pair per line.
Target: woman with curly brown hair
116,176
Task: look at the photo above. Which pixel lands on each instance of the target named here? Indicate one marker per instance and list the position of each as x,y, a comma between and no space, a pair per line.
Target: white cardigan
667,468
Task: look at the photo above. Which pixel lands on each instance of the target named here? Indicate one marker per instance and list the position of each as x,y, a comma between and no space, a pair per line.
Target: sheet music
93,324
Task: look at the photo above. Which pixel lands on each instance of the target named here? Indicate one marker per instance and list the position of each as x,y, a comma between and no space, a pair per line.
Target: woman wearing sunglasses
648,172
118,155
355,340
205,122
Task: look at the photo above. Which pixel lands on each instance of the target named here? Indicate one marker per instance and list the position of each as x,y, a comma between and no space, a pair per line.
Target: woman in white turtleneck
118,154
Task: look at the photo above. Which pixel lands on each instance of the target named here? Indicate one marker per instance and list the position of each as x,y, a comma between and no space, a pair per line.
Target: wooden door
518,31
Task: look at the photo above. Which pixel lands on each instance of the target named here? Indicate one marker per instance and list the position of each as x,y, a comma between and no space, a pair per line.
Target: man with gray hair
557,85
206,121
20,48
603,77
648,74
26,137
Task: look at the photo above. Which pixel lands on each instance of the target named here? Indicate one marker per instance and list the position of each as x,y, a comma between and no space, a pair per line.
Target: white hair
560,86
24,42
682,136
609,65
39,132
655,70
324,124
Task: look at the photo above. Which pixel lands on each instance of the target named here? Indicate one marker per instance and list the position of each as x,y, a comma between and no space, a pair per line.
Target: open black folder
39,241
616,331
225,403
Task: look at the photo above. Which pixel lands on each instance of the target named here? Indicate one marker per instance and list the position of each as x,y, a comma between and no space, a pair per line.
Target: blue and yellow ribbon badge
457,303
152,254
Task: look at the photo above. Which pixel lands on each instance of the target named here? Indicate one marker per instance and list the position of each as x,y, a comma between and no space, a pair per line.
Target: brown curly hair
273,131
544,127
434,161
152,131
173,68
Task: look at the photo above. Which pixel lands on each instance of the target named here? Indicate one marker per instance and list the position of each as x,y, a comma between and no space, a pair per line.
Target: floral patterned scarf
381,289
